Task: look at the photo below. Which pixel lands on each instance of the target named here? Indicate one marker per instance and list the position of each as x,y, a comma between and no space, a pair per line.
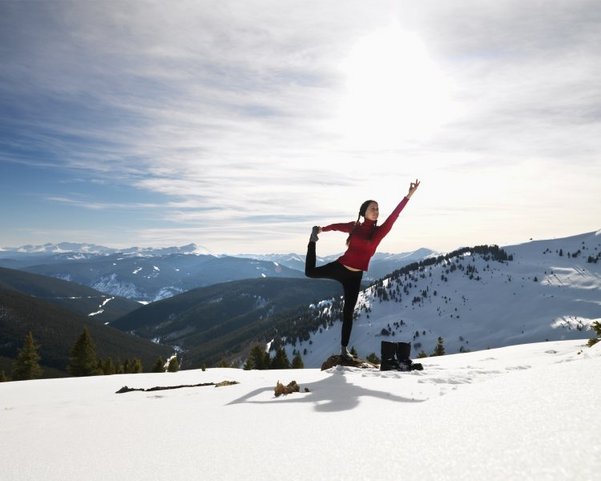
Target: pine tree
280,360
596,326
439,349
83,360
3,376
247,364
173,364
27,364
119,367
297,361
258,358
108,367
159,365
133,366
373,358
138,366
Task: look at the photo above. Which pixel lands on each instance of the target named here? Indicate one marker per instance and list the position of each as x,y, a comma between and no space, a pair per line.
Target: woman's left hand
412,188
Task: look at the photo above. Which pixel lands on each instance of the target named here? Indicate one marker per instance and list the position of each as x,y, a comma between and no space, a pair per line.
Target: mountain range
148,275
472,298
209,324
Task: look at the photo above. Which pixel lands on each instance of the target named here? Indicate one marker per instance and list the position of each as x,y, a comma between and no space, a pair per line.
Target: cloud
231,111
103,205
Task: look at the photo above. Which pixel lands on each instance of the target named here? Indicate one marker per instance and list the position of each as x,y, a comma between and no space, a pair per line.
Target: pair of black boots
395,357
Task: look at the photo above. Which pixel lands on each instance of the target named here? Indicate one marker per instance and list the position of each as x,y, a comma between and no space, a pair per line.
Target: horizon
237,127
202,250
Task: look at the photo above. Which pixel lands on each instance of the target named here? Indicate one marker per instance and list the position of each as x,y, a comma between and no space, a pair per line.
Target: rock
226,383
337,360
289,389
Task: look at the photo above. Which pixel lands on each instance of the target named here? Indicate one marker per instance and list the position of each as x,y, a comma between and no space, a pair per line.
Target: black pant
351,284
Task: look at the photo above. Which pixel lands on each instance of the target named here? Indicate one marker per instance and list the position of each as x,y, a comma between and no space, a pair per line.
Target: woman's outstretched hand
412,188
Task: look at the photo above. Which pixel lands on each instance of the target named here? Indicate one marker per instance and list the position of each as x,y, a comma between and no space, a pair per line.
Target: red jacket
361,248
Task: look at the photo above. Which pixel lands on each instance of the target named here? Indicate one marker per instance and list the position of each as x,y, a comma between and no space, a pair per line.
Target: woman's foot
314,233
346,354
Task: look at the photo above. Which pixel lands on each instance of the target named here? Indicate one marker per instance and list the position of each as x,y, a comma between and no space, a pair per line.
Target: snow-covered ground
528,412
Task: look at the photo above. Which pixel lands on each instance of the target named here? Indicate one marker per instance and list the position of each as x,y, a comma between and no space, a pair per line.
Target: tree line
259,358
83,361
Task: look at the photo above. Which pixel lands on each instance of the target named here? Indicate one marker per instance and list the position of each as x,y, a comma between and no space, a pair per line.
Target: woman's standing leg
352,286
351,283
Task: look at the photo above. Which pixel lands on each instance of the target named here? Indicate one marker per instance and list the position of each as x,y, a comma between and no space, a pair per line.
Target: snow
526,412
545,293
101,308
111,284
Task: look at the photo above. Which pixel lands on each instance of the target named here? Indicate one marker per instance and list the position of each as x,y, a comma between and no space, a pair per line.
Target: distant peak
84,248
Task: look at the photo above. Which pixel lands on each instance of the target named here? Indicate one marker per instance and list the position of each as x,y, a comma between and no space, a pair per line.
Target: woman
364,237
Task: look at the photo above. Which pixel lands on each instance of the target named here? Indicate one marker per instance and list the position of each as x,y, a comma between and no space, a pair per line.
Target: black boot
403,351
389,361
403,354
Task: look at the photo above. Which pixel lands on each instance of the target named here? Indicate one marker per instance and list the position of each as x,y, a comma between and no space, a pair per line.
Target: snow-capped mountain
151,274
142,274
74,248
149,279
474,299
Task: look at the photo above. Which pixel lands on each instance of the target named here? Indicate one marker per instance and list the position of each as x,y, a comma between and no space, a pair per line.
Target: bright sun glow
394,92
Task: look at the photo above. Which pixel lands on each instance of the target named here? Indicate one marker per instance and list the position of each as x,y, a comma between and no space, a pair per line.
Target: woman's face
372,211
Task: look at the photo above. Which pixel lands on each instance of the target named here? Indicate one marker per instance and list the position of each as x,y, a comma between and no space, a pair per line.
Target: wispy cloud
232,112
102,205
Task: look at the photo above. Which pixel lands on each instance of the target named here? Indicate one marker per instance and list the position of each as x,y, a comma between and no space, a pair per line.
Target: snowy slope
549,291
528,412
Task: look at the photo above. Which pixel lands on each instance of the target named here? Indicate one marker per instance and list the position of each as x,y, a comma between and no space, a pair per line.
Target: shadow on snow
332,394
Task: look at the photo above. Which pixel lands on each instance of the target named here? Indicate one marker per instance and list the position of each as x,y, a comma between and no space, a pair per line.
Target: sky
240,125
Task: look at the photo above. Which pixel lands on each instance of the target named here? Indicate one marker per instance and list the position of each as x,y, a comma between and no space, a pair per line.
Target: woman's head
369,209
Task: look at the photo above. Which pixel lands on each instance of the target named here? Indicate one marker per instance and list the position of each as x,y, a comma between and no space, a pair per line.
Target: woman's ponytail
348,239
